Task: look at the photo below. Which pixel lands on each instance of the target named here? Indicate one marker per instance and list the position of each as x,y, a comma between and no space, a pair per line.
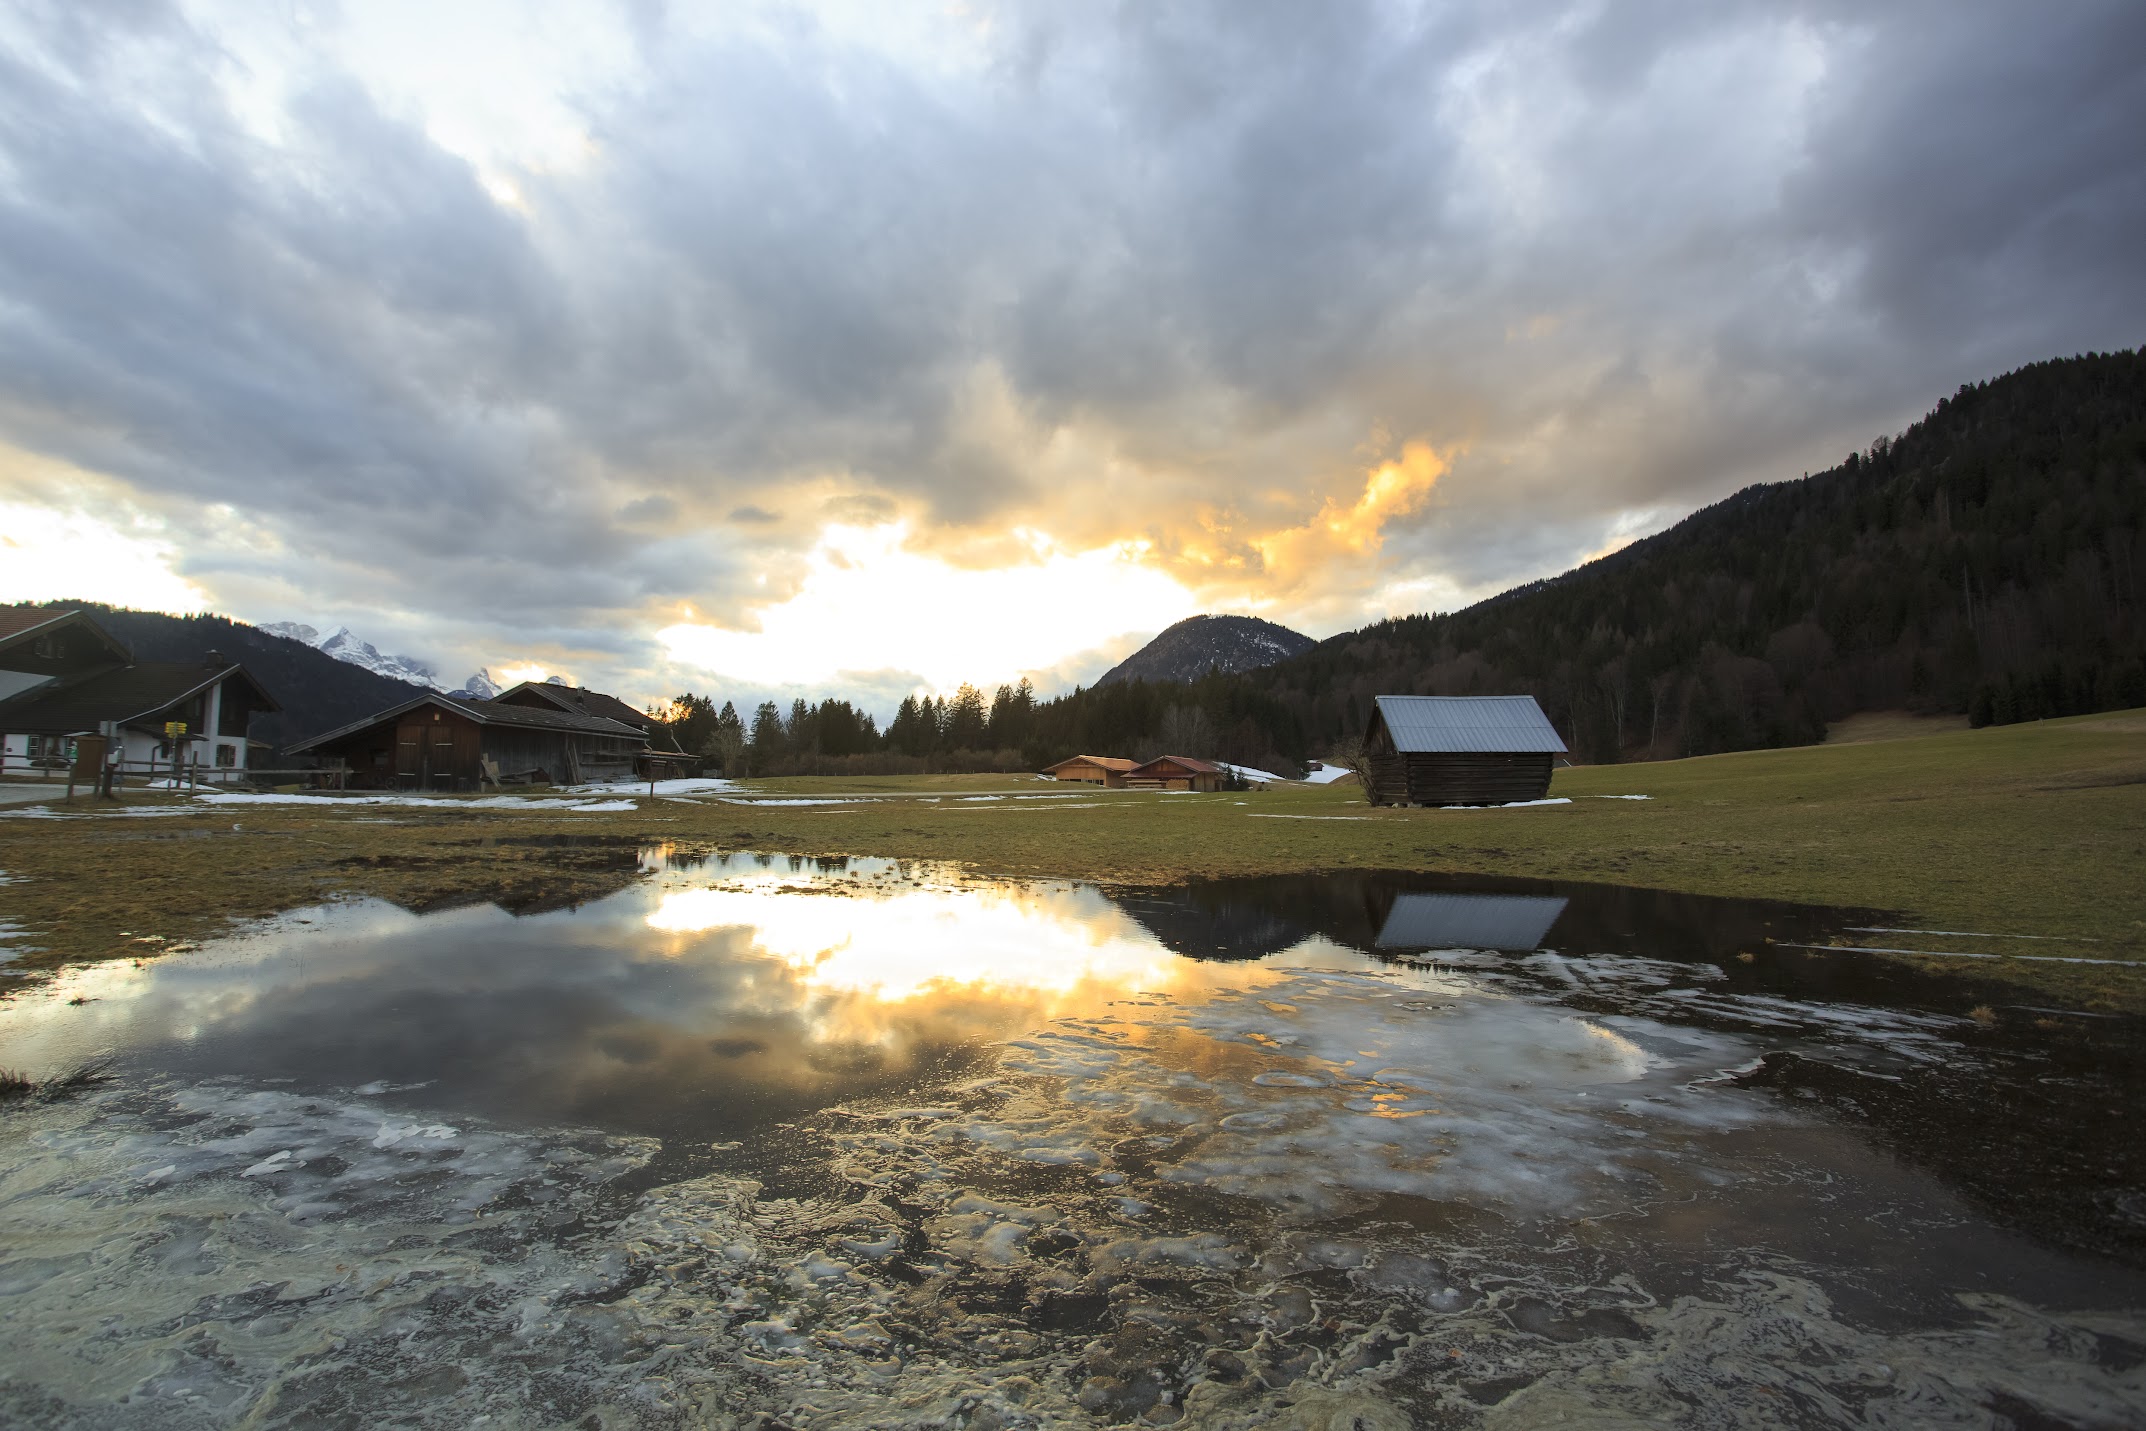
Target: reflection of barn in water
1386,911
1470,921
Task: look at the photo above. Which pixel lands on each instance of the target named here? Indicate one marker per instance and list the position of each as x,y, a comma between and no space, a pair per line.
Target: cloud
517,343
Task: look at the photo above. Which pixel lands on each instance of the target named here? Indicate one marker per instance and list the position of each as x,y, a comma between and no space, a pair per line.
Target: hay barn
1175,772
1105,770
446,743
1459,750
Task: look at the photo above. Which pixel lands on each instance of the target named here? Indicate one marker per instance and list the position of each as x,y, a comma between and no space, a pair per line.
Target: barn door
440,768
410,742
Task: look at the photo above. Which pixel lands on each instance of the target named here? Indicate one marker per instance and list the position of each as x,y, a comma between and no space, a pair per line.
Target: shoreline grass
2033,830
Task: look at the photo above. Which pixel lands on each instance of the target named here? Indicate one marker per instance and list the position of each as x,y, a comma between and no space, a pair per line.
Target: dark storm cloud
1618,259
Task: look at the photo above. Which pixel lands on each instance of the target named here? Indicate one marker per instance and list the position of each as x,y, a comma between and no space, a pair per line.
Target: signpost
88,764
174,733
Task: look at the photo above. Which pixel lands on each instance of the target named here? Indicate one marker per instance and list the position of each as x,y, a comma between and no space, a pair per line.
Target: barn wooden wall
1475,779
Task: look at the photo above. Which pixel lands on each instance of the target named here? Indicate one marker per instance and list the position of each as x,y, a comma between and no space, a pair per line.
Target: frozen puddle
765,1143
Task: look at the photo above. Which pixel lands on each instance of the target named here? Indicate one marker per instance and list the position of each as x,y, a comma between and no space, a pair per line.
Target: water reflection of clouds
901,945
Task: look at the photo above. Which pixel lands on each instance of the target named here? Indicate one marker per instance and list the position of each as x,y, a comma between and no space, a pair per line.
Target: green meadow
2033,832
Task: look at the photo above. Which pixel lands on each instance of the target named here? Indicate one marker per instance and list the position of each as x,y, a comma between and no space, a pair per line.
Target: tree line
1985,562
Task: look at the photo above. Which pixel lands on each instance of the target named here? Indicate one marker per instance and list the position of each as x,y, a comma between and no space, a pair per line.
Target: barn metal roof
485,713
1470,921
1106,762
1183,762
576,700
1444,725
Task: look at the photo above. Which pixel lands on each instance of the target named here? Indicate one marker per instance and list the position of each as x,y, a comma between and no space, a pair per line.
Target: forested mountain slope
1199,644
1988,561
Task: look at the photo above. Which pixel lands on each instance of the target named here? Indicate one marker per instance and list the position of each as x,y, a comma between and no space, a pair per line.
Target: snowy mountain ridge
344,645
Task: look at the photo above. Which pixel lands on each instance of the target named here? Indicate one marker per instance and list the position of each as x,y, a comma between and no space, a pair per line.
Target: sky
862,348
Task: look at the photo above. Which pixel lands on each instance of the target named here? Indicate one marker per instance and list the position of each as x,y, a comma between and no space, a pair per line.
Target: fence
190,774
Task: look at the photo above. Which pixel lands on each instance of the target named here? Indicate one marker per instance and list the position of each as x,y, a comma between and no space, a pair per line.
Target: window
226,756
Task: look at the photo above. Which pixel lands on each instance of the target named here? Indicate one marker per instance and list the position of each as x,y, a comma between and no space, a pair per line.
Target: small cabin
455,743
1105,770
1459,750
1175,772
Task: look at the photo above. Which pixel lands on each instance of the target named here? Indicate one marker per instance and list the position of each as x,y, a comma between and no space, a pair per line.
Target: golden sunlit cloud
1342,535
866,604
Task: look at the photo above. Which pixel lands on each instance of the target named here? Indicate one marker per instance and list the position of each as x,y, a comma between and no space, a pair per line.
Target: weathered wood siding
1458,779
447,753
1453,778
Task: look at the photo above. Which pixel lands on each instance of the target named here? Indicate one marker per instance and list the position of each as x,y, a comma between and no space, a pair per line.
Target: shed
1175,772
444,742
1459,750
1105,770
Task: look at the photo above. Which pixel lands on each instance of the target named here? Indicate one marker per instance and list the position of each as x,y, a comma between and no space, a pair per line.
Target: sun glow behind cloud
868,604
921,943
46,553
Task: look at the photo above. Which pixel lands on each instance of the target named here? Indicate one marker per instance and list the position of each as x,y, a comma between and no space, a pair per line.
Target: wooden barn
576,700
1459,750
1105,770
447,742
1175,772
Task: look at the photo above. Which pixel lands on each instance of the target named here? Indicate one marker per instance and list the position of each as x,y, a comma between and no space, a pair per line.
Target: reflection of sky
740,991
909,944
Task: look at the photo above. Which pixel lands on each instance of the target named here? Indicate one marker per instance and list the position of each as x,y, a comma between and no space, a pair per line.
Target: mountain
1988,561
343,645
1200,644
317,691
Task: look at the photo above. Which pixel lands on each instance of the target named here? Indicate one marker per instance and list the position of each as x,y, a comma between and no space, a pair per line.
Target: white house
61,674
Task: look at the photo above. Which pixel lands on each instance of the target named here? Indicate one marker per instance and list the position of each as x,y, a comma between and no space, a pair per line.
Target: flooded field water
772,1143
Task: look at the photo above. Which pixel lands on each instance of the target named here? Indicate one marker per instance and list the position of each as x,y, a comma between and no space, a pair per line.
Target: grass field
2036,830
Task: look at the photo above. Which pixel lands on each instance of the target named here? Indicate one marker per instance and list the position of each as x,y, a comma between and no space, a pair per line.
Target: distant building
1105,770
1459,750
453,743
661,760
1176,772
62,675
576,700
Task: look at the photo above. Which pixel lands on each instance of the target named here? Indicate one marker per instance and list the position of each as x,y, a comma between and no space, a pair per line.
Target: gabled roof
1106,762
20,625
1449,725
1183,762
129,695
486,713
577,700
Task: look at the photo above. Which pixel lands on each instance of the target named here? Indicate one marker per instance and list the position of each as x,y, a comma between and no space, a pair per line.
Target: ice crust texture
1155,1215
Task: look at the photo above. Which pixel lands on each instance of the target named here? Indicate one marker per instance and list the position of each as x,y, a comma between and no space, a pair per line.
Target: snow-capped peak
344,645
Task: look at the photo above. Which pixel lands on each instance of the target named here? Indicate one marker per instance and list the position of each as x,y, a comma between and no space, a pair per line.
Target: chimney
216,659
